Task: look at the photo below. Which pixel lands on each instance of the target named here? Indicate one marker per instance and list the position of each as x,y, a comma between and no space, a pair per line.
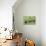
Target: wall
6,13
43,22
29,8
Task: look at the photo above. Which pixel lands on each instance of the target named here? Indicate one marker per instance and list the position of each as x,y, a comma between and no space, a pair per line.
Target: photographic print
29,20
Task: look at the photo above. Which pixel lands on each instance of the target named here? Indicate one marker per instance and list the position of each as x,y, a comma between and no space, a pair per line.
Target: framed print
29,20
